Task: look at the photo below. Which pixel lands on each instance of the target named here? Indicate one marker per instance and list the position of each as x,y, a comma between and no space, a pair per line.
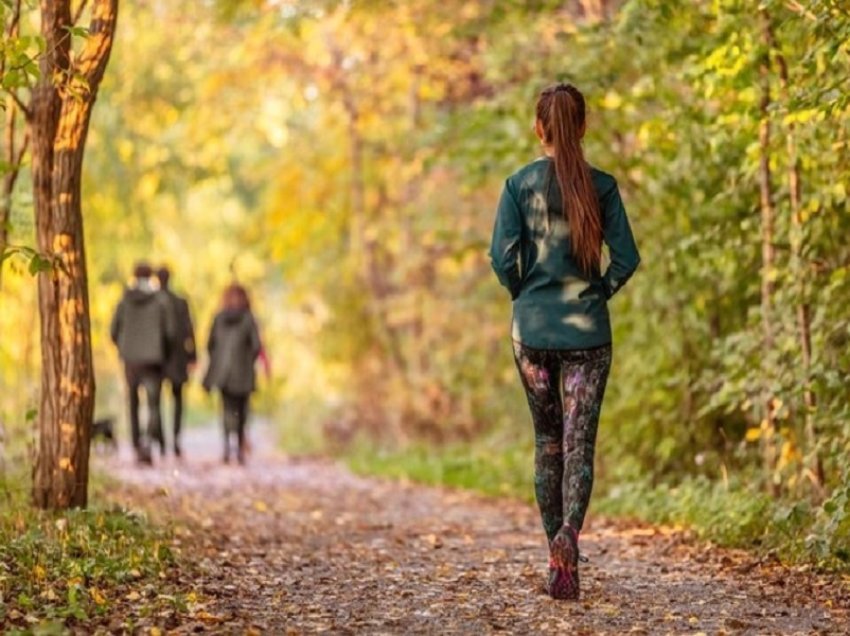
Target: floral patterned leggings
565,390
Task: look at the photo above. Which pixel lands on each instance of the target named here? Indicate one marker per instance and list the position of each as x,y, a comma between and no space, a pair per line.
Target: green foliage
36,262
737,515
486,466
73,566
830,537
18,57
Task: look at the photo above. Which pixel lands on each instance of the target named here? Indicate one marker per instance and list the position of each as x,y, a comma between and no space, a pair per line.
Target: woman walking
234,345
553,216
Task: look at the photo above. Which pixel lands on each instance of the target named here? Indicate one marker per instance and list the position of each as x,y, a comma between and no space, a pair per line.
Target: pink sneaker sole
563,567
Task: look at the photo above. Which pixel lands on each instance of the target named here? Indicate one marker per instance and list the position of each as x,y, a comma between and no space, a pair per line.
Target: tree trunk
797,237
768,255
12,154
60,113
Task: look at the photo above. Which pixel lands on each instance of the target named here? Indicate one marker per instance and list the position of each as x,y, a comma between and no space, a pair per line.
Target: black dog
103,429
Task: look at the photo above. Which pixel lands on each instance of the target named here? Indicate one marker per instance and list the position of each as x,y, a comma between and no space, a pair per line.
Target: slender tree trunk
13,153
357,188
768,255
8,181
60,114
797,238
13,156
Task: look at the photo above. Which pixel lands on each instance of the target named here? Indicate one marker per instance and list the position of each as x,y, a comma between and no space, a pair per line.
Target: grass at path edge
64,570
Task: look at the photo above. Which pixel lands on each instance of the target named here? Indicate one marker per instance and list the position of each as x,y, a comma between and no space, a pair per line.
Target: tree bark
60,112
768,255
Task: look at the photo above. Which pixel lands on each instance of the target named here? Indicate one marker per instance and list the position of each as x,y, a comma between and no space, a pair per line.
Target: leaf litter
289,546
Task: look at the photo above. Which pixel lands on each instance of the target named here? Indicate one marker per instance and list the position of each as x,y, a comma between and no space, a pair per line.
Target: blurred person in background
182,355
234,346
143,328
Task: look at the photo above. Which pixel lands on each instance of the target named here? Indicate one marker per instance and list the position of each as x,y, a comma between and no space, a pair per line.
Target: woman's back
233,346
556,304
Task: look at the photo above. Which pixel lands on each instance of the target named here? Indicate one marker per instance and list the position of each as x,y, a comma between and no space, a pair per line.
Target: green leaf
13,79
39,264
78,31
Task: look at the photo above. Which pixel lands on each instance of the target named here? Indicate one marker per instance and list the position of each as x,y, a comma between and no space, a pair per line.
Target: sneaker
563,565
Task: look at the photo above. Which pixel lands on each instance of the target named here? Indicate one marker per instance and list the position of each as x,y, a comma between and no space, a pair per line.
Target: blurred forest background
344,158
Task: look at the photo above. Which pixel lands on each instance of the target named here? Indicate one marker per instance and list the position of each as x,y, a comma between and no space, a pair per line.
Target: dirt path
286,546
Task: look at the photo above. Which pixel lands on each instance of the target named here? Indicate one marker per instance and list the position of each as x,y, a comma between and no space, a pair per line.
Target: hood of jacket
140,296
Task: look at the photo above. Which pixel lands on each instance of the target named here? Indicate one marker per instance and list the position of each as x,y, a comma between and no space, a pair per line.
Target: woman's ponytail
561,111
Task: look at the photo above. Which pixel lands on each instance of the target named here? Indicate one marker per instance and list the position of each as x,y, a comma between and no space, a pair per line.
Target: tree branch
16,20
21,105
55,20
79,12
796,7
12,176
11,32
22,151
95,53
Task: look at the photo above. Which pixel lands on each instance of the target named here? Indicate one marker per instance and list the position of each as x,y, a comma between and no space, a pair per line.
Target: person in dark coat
182,355
143,329
234,346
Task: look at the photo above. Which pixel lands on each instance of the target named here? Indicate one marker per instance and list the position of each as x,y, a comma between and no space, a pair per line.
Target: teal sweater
555,305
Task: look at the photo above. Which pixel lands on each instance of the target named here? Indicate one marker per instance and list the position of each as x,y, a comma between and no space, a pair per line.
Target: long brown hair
235,297
561,113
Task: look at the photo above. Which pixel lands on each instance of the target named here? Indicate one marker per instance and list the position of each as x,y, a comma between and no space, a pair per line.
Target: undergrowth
58,570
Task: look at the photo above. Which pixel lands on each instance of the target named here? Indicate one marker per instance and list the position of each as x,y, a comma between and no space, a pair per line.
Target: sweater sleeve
504,248
617,234
211,340
255,342
189,329
169,323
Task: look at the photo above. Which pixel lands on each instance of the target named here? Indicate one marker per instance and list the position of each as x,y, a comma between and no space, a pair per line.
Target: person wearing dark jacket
552,220
234,346
143,329
182,354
